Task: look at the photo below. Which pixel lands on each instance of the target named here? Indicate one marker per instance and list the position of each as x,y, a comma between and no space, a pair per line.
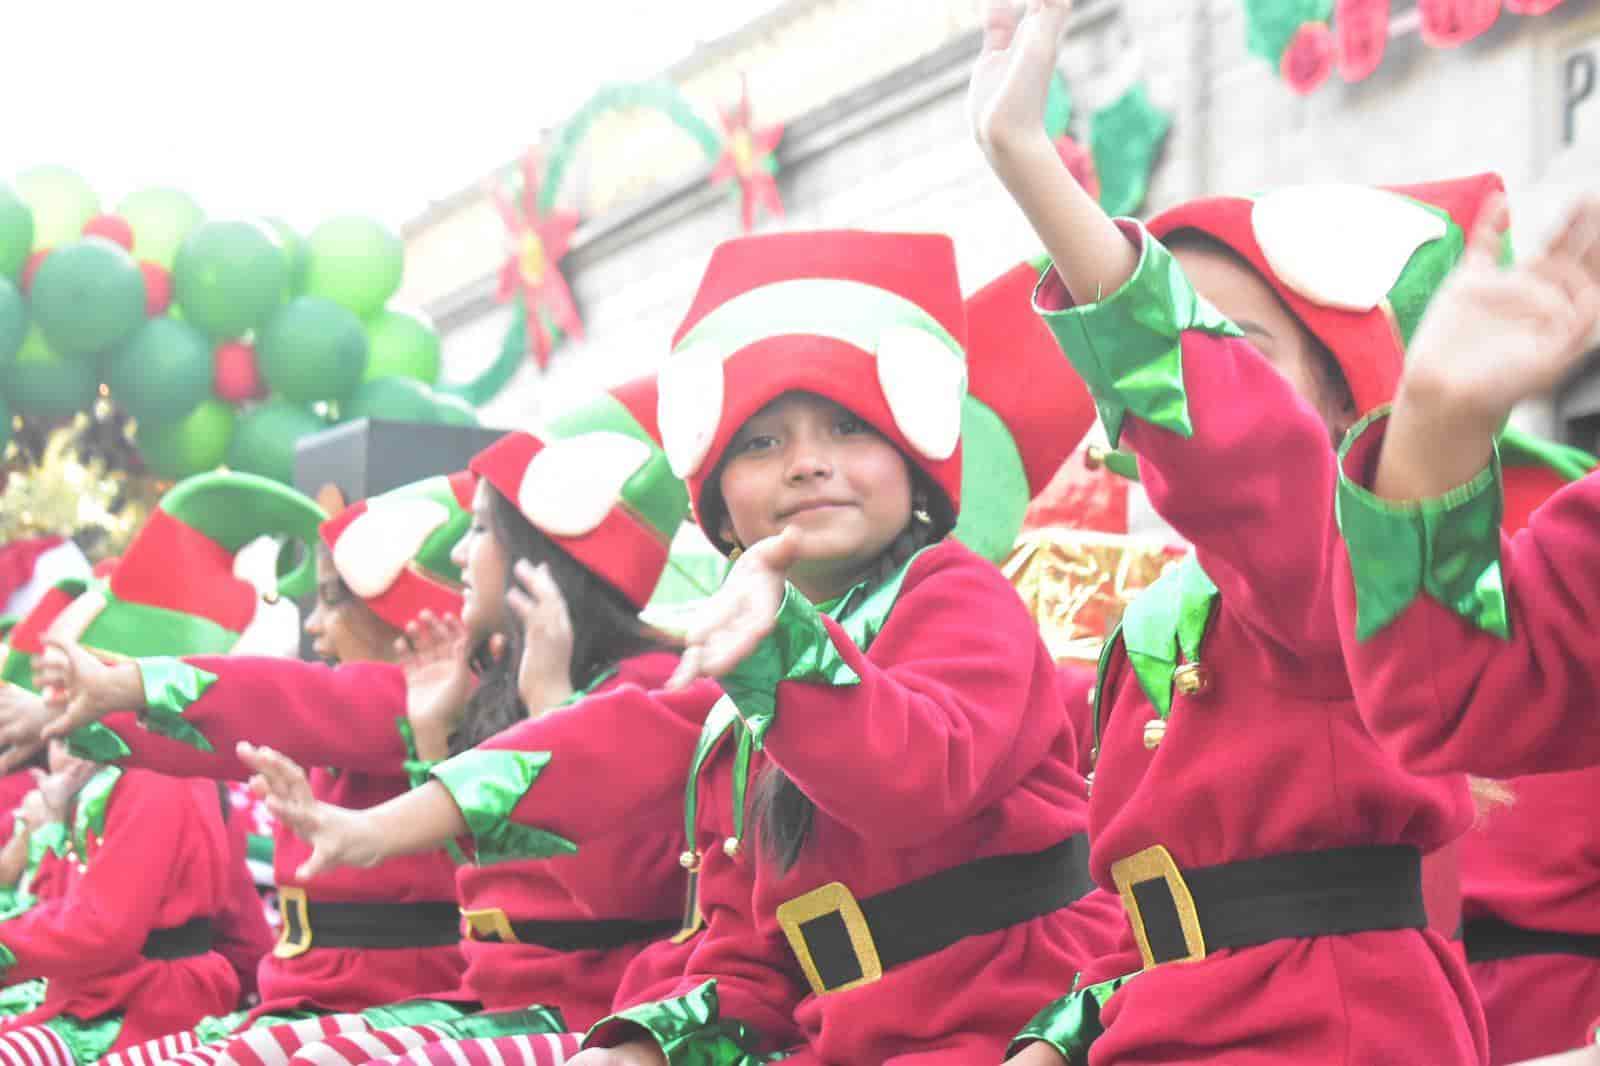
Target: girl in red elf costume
583,888
122,964
345,942
884,812
1267,849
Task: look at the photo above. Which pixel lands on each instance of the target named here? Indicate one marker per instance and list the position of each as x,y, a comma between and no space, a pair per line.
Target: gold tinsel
74,481
1077,584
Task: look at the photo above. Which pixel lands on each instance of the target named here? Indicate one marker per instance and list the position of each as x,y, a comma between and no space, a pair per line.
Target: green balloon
402,344
13,321
192,445
87,297
16,232
41,382
393,400
264,439
161,218
454,410
312,350
162,372
229,277
5,422
61,203
294,248
355,262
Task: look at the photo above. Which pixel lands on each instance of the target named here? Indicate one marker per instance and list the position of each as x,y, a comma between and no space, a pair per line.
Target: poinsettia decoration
1308,39
749,157
537,242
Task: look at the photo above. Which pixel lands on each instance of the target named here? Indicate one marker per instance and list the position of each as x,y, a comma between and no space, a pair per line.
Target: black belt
179,941
1490,940
842,942
492,925
1185,914
362,925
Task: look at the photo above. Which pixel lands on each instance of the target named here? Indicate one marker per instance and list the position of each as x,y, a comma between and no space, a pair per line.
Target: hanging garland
1307,40
1124,139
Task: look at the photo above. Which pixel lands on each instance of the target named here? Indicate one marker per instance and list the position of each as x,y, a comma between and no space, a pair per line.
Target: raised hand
1491,337
544,677
434,655
80,688
1011,80
338,837
742,612
636,1053
23,718
1037,1053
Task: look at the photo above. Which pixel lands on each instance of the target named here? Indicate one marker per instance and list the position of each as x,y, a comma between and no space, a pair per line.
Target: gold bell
269,598
1192,679
689,860
1094,457
1088,783
1154,731
732,848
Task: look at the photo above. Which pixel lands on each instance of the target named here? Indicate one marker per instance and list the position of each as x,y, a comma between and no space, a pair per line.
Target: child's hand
1037,1053
1011,81
433,654
637,1053
741,613
81,688
544,677
34,811
1491,338
23,718
337,836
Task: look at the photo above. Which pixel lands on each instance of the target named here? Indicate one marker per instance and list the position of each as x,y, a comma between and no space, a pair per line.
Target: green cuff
90,808
1447,547
798,649
1165,625
97,742
690,1033
170,686
528,1021
1070,1024
487,786
8,961
1128,345
52,836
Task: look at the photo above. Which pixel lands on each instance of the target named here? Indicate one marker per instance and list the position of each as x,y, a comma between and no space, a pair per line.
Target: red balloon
1362,31
31,267
1080,163
1308,60
1447,23
157,288
235,375
113,228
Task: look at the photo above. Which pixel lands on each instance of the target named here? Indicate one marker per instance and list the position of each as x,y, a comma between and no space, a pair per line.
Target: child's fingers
688,668
521,606
1483,243
999,25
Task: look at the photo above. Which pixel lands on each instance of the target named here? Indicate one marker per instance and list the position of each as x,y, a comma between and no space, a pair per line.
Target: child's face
484,568
1250,303
342,628
807,462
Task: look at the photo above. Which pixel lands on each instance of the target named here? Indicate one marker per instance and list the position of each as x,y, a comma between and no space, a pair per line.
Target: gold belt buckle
832,898
1155,863
294,932
490,924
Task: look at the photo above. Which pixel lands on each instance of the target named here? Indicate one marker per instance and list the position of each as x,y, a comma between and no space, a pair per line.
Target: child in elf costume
124,939
884,815
1266,848
1421,513
575,883
379,939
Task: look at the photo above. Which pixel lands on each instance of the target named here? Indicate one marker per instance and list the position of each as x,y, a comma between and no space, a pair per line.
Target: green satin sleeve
98,742
487,786
1127,346
690,1031
8,961
1447,548
170,686
1070,1024
798,649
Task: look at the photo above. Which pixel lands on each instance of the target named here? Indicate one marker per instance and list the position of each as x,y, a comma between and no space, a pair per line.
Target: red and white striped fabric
34,1045
275,1045
542,1050
151,1052
353,1048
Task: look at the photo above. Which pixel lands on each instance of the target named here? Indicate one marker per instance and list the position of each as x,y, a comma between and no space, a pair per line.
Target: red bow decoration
1308,60
1361,29
538,243
1448,23
748,156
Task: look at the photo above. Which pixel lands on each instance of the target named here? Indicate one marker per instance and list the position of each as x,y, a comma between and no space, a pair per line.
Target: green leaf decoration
1271,24
1125,139
1057,106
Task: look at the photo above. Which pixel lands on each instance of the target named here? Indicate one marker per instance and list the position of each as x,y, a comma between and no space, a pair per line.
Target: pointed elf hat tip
1361,298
